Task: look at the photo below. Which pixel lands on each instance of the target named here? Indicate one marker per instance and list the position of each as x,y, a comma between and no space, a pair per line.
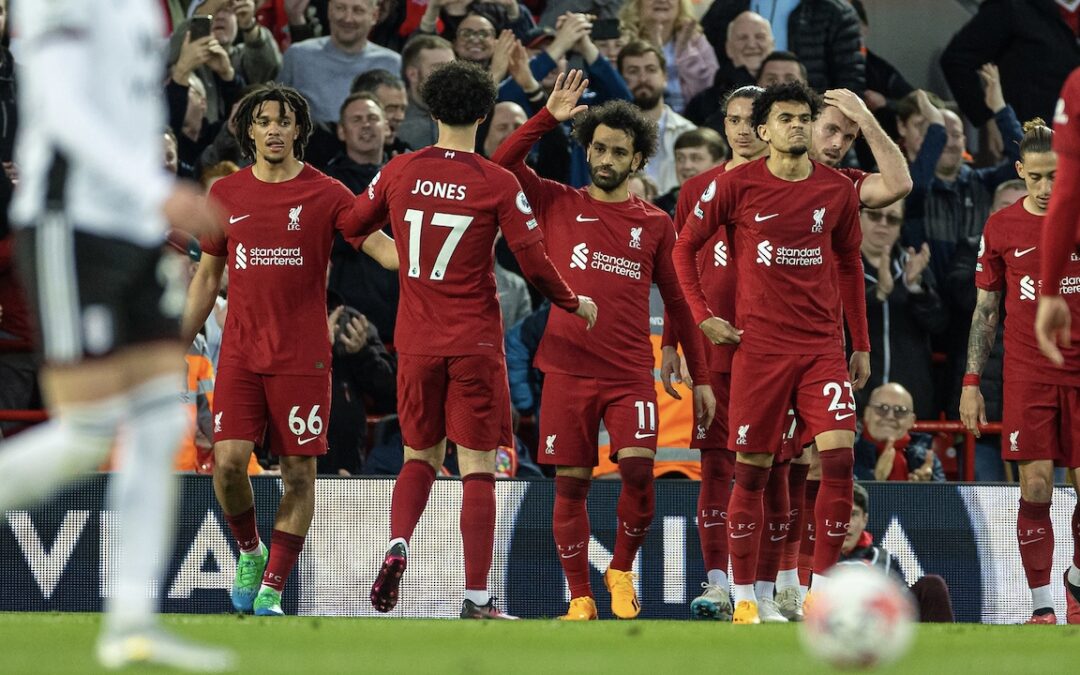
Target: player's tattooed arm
983,330
980,341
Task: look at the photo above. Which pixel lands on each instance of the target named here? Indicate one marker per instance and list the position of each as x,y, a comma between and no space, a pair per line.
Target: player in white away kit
91,208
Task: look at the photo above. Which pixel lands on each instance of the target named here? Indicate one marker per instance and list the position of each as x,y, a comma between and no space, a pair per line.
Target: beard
607,183
798,149
647,98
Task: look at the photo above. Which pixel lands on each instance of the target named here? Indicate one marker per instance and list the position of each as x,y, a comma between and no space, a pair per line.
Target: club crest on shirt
294,217
709,193
549,443
371,185
635,237
819,221
1014,441
522,203
743,430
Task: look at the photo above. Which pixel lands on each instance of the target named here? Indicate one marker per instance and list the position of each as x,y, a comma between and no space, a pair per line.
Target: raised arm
893,180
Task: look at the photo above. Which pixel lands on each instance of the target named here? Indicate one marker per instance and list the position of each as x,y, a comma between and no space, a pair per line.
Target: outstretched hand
569,87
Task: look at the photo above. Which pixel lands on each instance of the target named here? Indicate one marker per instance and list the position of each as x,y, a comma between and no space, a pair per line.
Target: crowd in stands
361,65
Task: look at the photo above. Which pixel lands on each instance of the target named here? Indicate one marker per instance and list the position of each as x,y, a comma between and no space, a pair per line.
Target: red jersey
278,242
856,176
612,252
445,208
796,251
1061,236
1009,258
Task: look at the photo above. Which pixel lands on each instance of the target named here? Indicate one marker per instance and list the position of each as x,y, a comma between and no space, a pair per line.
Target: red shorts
295,409
765,386
463,398
716,435
1041,421
793,438
572,408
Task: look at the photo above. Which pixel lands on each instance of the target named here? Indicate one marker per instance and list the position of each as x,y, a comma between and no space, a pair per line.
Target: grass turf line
63,643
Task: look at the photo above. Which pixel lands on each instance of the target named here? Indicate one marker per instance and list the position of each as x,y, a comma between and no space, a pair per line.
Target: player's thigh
240,405
825,401
569,421
630,417
299,408
762,387
422,389
1031,422
477,405
716,435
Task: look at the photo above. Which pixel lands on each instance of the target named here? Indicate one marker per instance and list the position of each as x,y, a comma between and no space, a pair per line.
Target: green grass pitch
62,643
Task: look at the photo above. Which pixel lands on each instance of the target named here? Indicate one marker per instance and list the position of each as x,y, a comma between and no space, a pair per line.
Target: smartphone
200,27
605,29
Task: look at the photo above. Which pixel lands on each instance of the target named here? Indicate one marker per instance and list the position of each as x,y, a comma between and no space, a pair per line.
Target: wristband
971,380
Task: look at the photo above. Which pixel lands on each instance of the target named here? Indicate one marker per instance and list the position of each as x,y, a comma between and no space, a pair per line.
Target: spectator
522,340
506,117
9,117
475,39
643,67
225,146
502,14
216,172
421,55
931,592
323,68
1008,193
696,151
642,186
903,309
289,21
749,41
363,378
779,67
172,158
389,89
362,127
824,33
670,25
551,10
887,448
514,299
254,58
187,119
1036,44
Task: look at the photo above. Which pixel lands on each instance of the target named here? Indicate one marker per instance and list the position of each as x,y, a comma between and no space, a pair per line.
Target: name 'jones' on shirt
430,188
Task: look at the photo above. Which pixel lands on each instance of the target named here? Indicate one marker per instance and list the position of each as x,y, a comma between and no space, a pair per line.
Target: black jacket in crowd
824,34
1032,46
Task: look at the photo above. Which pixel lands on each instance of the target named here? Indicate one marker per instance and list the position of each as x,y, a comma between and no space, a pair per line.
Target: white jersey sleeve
91,92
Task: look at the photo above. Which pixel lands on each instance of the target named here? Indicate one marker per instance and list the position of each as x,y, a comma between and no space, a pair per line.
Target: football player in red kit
614,247
796,242
1042,400
446,204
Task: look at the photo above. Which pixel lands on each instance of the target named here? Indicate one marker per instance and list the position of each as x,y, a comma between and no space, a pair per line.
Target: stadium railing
967,439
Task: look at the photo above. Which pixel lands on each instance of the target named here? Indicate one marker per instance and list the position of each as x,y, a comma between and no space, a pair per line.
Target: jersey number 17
457,225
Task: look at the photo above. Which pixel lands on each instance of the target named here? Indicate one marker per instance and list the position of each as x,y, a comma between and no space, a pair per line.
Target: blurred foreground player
1042,400
92,206
446,204
615,246
273,377
796,241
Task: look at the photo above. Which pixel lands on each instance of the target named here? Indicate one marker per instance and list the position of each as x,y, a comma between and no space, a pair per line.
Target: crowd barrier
55,557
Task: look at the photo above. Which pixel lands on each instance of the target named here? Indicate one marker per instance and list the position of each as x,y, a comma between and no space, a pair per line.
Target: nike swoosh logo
304,441
783,536
630,534
1020,254
236,219
740,536
583,219
564,556
638,435
760,218
836,534
840,418
1031,541
708,525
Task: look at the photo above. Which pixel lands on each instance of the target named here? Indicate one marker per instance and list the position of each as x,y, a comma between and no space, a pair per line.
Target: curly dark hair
624,116
459,93
793,92
272,92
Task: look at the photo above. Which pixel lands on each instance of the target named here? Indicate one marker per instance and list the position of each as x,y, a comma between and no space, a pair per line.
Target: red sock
1076,534
809,536
570,525
1035,534
477,528
637,501
796,524
777,516
832,511
411,492
746,513
284,550
717,468
244,530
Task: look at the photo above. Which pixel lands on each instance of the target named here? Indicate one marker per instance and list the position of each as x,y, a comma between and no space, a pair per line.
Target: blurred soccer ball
861,619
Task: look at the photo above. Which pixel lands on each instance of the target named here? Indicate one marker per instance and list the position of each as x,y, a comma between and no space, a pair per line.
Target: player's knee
837,464
636,473
298,477
230,465
1037,487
